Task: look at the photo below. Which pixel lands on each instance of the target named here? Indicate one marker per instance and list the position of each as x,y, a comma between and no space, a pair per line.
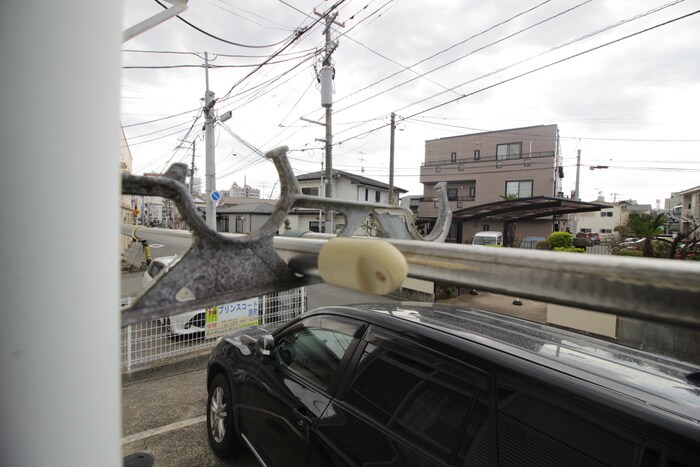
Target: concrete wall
603,324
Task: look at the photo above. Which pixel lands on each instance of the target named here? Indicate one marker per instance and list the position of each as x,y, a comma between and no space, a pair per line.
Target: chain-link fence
159,341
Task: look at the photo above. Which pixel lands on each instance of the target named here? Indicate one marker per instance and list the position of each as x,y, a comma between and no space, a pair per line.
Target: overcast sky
631,104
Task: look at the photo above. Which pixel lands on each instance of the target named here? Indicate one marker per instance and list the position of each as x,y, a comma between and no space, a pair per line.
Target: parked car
400,385
594,238
634,244
488,238
582,240
188,323
531,242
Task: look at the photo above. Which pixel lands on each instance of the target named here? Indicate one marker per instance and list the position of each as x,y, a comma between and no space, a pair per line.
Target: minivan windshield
482,240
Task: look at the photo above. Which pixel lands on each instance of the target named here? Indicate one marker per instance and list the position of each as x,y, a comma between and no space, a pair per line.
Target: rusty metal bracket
219,269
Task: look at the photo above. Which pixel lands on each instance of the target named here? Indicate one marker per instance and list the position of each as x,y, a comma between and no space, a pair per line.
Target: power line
219,38
410,67
532,71
552,49
472,52
158,131
299,33
211,66
214,54
161,119
281,26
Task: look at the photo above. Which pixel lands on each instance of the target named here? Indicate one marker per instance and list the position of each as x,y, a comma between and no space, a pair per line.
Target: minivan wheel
220,423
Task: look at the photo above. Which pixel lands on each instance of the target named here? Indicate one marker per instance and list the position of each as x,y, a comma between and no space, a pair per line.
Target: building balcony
486,159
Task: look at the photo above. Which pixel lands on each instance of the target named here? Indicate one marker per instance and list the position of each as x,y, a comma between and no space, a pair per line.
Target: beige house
605,221
484,168
690,209
346,186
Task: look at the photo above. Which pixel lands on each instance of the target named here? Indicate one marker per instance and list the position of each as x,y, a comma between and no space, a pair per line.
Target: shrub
543,245
570,249
560,240
627,253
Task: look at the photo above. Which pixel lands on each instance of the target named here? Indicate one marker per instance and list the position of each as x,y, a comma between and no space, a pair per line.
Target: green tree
646,226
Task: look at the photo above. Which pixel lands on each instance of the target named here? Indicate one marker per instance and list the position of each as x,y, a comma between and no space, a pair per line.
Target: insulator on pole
327,86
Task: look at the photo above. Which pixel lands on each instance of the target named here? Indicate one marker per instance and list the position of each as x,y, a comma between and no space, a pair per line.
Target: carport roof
520,209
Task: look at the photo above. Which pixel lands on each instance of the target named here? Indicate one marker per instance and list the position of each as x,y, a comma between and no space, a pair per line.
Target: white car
191,322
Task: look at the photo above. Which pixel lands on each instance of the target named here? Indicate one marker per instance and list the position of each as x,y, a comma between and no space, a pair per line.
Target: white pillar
59,217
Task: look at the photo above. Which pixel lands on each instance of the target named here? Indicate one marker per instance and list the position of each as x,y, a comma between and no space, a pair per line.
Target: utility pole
391,159
192,170
576,194
210,172
327,74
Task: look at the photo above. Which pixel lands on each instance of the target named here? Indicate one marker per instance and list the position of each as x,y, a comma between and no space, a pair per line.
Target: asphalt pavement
164,416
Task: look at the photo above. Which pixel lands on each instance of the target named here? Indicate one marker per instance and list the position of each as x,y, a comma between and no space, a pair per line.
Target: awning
520,209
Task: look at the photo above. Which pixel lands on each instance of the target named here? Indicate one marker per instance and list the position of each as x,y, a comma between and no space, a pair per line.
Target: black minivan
410,385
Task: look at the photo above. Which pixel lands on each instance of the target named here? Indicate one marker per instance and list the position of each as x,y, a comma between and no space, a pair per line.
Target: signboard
223,319
215,196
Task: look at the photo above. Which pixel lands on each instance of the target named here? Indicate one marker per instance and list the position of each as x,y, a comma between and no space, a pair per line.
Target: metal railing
471,160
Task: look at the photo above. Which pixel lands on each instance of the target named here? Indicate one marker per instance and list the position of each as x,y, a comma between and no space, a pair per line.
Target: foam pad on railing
367,265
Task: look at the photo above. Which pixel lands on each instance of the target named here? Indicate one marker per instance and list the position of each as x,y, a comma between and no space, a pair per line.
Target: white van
488,238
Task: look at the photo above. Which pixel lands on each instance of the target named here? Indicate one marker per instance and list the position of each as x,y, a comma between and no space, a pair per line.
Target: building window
528,162
366,194
310,191
472,191
606,214
477,154
486,228
314,226
508,151
239,224
519,188
452,194
606,231
453,157
377,196
499,164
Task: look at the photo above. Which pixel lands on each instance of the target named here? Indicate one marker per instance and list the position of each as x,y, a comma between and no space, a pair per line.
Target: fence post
128,349
264,309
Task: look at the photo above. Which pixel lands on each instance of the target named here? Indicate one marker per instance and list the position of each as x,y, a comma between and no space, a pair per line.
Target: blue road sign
215,196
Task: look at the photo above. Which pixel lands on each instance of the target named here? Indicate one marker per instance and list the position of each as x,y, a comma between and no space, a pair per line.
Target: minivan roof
658,380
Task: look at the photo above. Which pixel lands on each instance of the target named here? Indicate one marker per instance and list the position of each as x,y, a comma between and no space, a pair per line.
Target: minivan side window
315,349
426,399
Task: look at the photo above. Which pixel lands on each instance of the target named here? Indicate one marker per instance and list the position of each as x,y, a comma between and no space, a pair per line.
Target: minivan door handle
302,414
304,422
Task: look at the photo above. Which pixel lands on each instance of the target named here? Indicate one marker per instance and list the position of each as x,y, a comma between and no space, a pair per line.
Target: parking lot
164,415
